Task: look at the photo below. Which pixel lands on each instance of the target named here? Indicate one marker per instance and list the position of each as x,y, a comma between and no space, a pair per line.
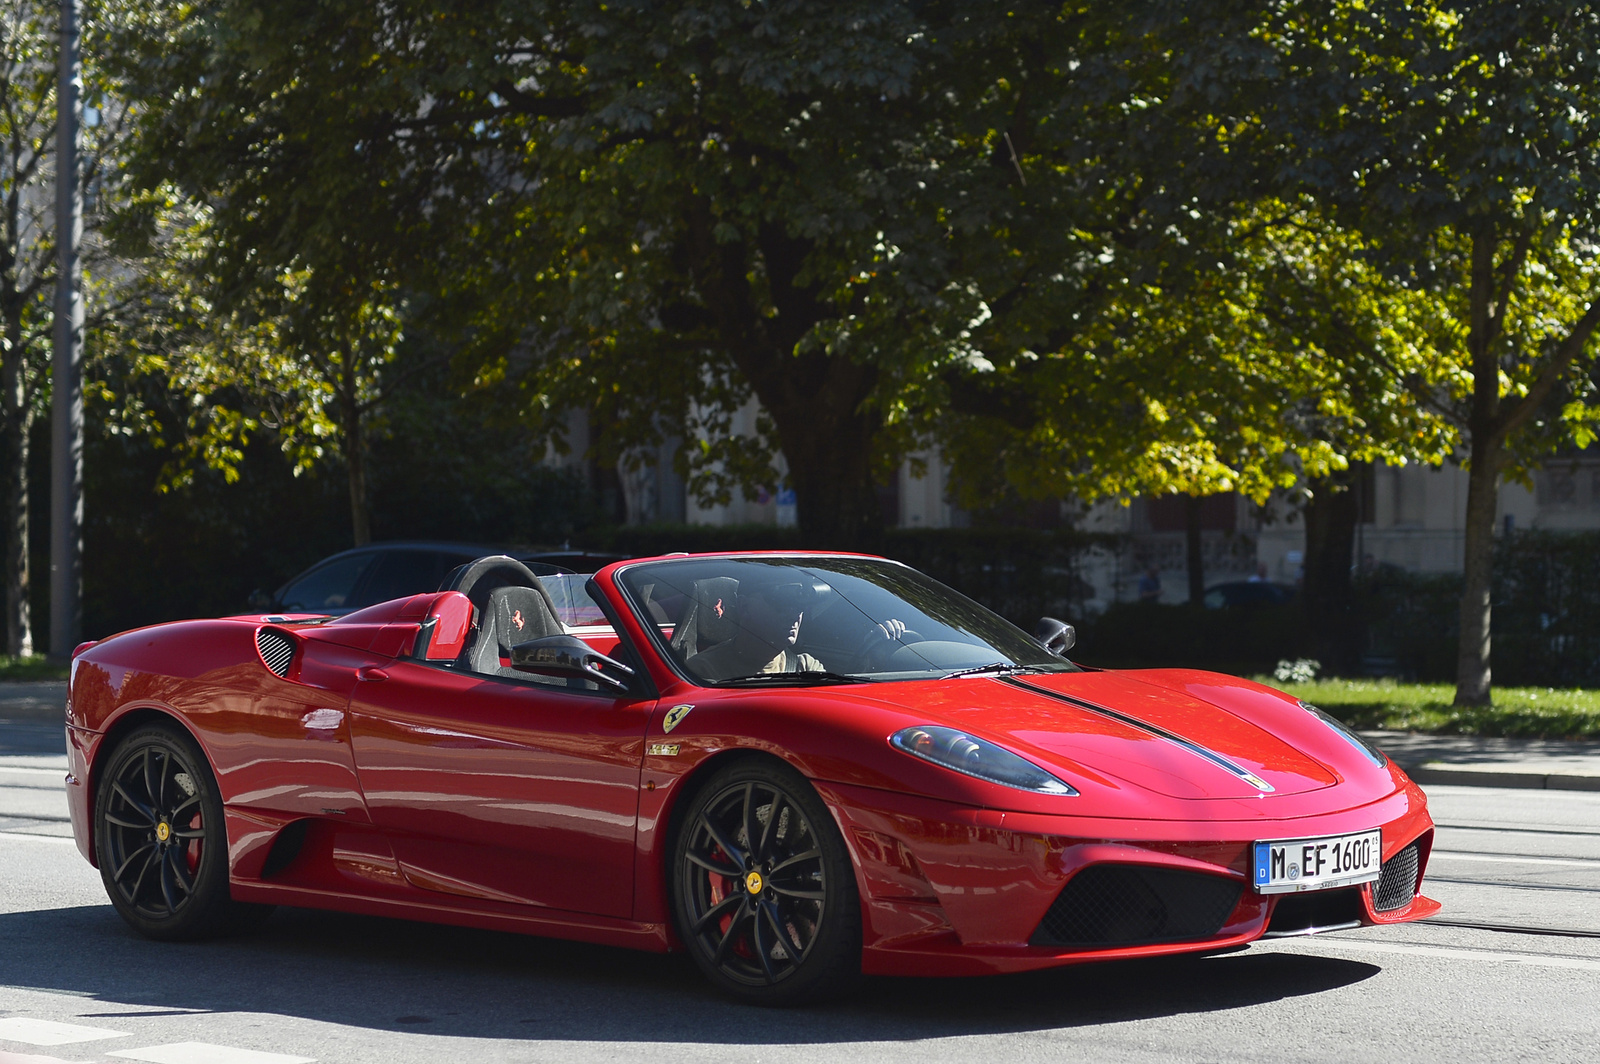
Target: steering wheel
876,647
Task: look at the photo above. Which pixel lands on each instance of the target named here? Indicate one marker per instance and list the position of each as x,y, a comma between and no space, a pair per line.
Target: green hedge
1145,634
1546,601
1021,574
1546,623
198,553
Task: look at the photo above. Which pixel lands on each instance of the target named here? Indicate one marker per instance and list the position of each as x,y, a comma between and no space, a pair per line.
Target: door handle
371,673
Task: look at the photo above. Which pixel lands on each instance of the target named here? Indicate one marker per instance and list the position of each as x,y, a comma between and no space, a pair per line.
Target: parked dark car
357,578
1247,594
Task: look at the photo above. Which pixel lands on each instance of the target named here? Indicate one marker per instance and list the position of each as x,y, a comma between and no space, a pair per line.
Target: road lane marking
50,1033
1536,960
205,1053
1507,858
1507,829
30,1058
1513,886
17,836
1511,929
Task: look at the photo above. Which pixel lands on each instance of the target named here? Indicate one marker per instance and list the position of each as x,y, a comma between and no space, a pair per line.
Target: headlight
1378,757
960,752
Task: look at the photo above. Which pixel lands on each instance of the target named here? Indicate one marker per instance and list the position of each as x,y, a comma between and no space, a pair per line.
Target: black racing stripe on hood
1134,722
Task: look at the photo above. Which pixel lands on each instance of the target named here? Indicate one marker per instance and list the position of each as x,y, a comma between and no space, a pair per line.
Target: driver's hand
892,629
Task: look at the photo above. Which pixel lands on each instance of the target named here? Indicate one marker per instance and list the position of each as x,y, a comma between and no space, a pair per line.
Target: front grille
277,650
1398,883
1110,905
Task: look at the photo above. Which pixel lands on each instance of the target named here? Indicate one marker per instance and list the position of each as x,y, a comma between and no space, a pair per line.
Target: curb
1469,776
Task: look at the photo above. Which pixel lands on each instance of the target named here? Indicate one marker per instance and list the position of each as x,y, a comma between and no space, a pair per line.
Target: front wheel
160,839
763,892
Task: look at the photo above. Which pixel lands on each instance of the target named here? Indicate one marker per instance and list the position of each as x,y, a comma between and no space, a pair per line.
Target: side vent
1398,884
277,650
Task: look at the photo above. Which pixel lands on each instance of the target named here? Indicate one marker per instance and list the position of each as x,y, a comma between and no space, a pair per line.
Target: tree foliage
889,223
1100,251
28,176
1457,142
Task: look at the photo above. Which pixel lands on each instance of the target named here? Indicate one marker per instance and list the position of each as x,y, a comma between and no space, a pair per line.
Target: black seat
512,615
709,620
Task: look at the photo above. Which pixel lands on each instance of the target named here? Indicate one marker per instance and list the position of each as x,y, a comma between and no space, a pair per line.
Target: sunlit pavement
1509,970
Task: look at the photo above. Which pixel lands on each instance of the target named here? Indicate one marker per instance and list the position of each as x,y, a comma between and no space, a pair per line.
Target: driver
767,640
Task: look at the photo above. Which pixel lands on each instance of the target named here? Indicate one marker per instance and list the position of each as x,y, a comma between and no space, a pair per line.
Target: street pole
66,400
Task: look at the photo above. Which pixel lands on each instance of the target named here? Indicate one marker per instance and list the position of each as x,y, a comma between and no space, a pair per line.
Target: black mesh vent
1398,884
277,650
1131,905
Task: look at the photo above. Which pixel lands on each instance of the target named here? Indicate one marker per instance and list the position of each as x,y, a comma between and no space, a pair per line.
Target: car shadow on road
395,975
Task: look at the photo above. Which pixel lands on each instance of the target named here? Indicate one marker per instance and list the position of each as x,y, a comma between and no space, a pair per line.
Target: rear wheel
160,839
763,892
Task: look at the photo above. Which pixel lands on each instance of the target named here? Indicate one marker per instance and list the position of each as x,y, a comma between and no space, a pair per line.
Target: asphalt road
1509,971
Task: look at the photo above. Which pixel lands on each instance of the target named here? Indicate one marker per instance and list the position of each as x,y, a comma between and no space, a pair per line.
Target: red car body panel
365,780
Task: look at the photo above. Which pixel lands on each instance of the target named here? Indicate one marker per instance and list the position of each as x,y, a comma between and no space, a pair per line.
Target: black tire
794,938
161,840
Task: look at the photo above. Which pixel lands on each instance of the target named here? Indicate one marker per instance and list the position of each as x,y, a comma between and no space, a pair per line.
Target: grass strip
30,667
1517,712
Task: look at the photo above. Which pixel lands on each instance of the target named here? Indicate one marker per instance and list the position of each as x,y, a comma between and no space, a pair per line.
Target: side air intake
1398,884
277,650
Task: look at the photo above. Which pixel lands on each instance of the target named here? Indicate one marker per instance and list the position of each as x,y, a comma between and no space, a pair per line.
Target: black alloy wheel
764,895
160,839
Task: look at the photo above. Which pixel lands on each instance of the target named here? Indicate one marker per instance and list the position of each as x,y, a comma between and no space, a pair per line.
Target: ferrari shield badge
674,717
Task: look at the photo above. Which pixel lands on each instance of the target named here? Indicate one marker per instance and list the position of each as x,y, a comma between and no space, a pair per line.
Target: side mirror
1055,636
567,655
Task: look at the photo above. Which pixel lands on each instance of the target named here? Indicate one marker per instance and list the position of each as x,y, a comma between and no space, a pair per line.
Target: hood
1227,739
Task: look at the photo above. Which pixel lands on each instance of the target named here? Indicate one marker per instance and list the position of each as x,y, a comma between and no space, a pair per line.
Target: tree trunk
1196,562
355,460
1487,450
1331,516
830,466
18,622
1483,488
816,399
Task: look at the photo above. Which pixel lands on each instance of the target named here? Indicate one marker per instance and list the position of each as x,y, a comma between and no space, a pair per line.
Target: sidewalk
1469,761
31,719
32,716
33,700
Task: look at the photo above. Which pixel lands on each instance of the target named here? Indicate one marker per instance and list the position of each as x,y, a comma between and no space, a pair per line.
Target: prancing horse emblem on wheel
163,831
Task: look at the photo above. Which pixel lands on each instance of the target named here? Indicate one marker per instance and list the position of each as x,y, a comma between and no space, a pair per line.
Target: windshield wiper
998,668
797,677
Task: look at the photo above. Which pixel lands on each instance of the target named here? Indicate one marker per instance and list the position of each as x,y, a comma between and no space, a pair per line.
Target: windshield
733,621
569,594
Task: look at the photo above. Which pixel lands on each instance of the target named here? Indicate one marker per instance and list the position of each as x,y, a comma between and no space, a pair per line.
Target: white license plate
1291,865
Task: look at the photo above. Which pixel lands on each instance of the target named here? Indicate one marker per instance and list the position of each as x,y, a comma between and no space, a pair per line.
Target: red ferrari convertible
796,767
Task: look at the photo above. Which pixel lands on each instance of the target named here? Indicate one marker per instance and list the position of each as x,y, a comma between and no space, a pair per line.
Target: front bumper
955,890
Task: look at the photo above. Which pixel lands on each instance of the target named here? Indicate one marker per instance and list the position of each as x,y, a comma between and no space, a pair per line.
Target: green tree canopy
889,223
1457,140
